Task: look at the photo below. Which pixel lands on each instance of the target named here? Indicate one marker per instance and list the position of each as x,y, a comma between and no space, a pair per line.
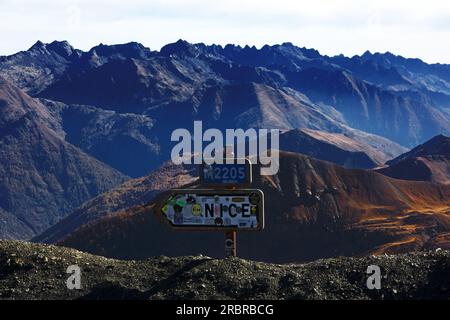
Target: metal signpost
223,202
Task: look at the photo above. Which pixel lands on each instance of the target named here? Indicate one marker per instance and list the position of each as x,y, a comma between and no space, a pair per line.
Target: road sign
207,209
226,174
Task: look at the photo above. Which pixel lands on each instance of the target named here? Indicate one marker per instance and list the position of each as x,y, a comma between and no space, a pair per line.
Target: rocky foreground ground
36,271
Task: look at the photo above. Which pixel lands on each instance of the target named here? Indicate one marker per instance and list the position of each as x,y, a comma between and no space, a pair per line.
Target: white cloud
411,28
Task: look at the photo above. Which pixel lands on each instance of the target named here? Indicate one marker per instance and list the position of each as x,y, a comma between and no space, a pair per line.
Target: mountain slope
370,108
43,177
130,193
332,147
127,142
428,162
313,209
439,145
102,132
335,148
383,94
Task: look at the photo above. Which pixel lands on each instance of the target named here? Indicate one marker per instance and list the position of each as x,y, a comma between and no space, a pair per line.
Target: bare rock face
339,148
36,271
125,141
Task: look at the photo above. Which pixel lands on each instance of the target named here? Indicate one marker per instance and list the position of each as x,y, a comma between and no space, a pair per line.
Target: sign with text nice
203,209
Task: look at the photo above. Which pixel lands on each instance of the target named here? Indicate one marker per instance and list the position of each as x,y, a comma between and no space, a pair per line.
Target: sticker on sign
215,209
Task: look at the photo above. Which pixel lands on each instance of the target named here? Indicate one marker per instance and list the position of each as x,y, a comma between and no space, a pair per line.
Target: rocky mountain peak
38,45
125,50
63,48
180,48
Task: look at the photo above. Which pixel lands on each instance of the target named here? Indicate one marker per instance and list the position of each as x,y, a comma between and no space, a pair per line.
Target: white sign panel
215,209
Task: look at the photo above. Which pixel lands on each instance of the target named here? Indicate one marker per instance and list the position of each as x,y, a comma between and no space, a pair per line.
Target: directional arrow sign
207,209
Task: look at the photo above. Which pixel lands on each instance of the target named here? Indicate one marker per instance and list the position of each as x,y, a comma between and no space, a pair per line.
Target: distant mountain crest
404,100
61,48
429,161
181,48
126,50
438,145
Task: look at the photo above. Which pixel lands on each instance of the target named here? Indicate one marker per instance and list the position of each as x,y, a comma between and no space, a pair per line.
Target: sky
418,29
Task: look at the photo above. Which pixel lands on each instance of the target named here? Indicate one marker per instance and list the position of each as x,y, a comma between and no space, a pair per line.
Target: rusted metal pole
230,243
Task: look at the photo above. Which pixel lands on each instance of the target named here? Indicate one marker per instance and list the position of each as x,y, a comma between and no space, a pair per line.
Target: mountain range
76,125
